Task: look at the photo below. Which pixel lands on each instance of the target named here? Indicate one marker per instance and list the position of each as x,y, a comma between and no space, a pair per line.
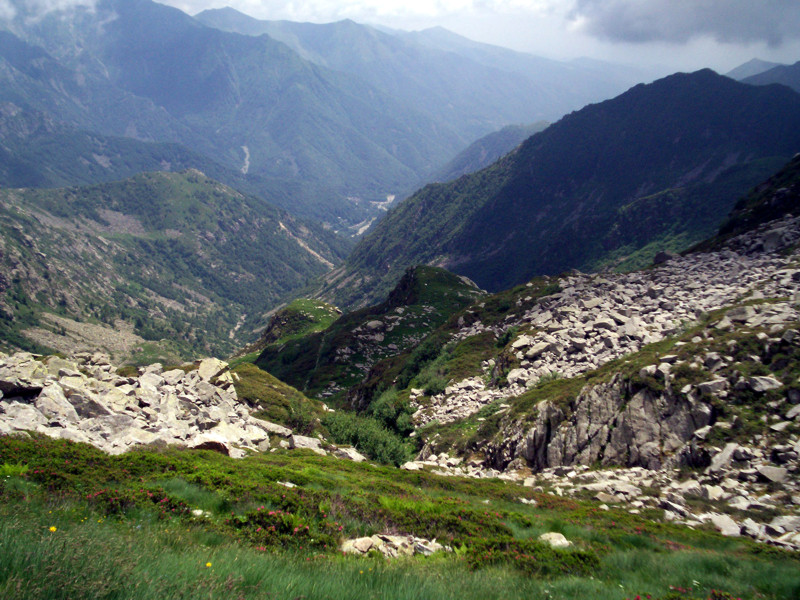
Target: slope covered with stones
86,399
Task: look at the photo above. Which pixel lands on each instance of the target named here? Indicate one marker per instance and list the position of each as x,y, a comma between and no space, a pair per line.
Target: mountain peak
754,66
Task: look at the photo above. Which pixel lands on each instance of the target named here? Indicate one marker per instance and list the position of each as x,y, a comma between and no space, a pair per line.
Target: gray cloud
729,21
34,9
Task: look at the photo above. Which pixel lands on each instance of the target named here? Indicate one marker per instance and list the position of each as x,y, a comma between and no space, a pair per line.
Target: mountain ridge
569,196
788,75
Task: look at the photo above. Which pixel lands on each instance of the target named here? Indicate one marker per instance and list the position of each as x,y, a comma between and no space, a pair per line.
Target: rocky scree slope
654,168
173,256
85,399
686,375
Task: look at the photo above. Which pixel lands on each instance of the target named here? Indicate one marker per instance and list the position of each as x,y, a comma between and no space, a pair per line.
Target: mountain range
345,117
656,168
752,67
472,88
788,75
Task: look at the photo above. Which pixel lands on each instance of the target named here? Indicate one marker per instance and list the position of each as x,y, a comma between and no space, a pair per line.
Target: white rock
555,539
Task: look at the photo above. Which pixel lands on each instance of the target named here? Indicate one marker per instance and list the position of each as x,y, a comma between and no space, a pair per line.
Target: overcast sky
679,34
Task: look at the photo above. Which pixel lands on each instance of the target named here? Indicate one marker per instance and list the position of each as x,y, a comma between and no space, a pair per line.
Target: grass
124,529
276,401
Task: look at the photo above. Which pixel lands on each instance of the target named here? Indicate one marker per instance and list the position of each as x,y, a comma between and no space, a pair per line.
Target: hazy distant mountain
788,75
134,67
38,151
750,68
487,150
584,80
473,88
658,167
34,79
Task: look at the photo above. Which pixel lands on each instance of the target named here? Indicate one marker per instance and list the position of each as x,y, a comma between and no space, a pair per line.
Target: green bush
530,556
368,436
392,412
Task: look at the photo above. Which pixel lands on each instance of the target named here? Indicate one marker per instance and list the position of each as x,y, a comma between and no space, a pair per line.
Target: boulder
210,368
308,443
724,524
272,428
763,384
151,381
519,376
722,460
751,529
555,539
349,454
537,349
712,387
173,377
53,404
523,341
21,415
771,474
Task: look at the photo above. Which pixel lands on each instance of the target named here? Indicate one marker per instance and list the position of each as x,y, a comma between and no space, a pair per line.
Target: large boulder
308,443
210,368
53,404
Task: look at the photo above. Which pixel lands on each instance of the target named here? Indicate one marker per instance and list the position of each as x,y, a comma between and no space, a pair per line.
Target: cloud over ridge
729,21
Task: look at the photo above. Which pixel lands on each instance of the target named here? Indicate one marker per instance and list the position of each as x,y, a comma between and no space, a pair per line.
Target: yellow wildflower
53,528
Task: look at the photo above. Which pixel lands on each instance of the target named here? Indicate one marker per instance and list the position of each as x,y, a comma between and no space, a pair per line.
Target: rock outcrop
609,424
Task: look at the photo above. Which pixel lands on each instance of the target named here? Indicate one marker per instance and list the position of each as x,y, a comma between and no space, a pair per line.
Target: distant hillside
472,88
750,68
173,256
658,167
788,75
768,201
487,150
37,151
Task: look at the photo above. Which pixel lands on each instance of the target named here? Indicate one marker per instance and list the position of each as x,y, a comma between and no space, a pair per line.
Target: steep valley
655,168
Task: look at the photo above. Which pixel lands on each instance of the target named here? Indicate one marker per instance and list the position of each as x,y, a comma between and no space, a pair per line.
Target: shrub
368,436
531,557
392,412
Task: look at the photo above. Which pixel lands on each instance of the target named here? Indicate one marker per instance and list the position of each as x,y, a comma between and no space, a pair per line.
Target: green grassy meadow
76,523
